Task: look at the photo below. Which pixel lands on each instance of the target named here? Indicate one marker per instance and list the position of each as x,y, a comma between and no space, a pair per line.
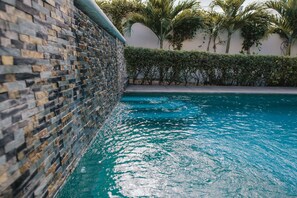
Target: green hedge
184,67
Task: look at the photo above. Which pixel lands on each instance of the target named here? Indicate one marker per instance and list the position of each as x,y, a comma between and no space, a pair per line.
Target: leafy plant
284,21
145,66
213,24
166,19
118,10
184,27
254,30
235,15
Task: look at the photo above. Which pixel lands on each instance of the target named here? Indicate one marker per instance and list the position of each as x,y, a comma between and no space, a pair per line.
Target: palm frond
164,17
132,19
185,5
285,20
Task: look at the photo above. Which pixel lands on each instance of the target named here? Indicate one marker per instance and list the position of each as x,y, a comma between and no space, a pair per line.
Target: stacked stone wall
60,77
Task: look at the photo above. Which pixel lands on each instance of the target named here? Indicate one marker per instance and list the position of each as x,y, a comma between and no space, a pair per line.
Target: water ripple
193,146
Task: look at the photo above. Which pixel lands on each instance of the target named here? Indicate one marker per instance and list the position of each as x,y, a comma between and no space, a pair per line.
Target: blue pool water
200,145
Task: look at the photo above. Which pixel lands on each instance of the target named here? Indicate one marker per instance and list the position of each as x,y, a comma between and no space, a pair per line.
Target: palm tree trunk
161,43
209,41
288,51
249,51
161,36
228,42
215,44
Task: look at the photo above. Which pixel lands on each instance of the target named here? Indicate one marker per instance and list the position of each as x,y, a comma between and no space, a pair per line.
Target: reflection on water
207,145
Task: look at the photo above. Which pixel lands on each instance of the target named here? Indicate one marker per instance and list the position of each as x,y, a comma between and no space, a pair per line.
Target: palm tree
235,15
213,24
284,22
118,10
184,27
254,30
162,17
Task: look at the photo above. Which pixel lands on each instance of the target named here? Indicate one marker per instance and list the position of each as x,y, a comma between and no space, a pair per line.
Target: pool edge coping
210,89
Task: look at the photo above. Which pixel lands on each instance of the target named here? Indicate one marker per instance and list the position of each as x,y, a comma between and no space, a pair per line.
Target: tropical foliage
118,10
180,20
168,20
254,30
213,24
235,15
184,27
284,22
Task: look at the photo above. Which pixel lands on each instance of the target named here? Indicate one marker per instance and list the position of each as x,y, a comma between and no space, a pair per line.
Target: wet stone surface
60,76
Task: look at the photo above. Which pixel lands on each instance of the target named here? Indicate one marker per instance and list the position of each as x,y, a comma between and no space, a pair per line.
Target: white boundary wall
141,36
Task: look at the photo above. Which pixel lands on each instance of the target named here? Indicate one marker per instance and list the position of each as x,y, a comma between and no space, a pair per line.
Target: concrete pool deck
209,89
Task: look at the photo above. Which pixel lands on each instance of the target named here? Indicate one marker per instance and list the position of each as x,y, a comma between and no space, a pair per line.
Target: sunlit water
183,145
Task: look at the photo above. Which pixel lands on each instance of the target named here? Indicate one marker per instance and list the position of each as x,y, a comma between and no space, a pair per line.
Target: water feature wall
61,74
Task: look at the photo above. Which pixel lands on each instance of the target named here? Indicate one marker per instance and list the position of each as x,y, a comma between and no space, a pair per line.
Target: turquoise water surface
192,145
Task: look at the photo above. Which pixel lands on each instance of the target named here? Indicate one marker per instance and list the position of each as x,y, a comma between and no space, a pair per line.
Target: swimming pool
192,145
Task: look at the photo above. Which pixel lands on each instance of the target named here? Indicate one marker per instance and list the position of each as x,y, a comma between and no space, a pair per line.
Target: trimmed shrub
146,66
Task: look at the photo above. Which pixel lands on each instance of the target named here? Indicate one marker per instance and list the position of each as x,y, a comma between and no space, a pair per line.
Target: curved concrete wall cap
91,9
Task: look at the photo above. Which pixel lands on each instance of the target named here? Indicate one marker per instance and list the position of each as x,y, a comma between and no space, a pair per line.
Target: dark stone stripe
3,97
21,6
13,111
25,76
